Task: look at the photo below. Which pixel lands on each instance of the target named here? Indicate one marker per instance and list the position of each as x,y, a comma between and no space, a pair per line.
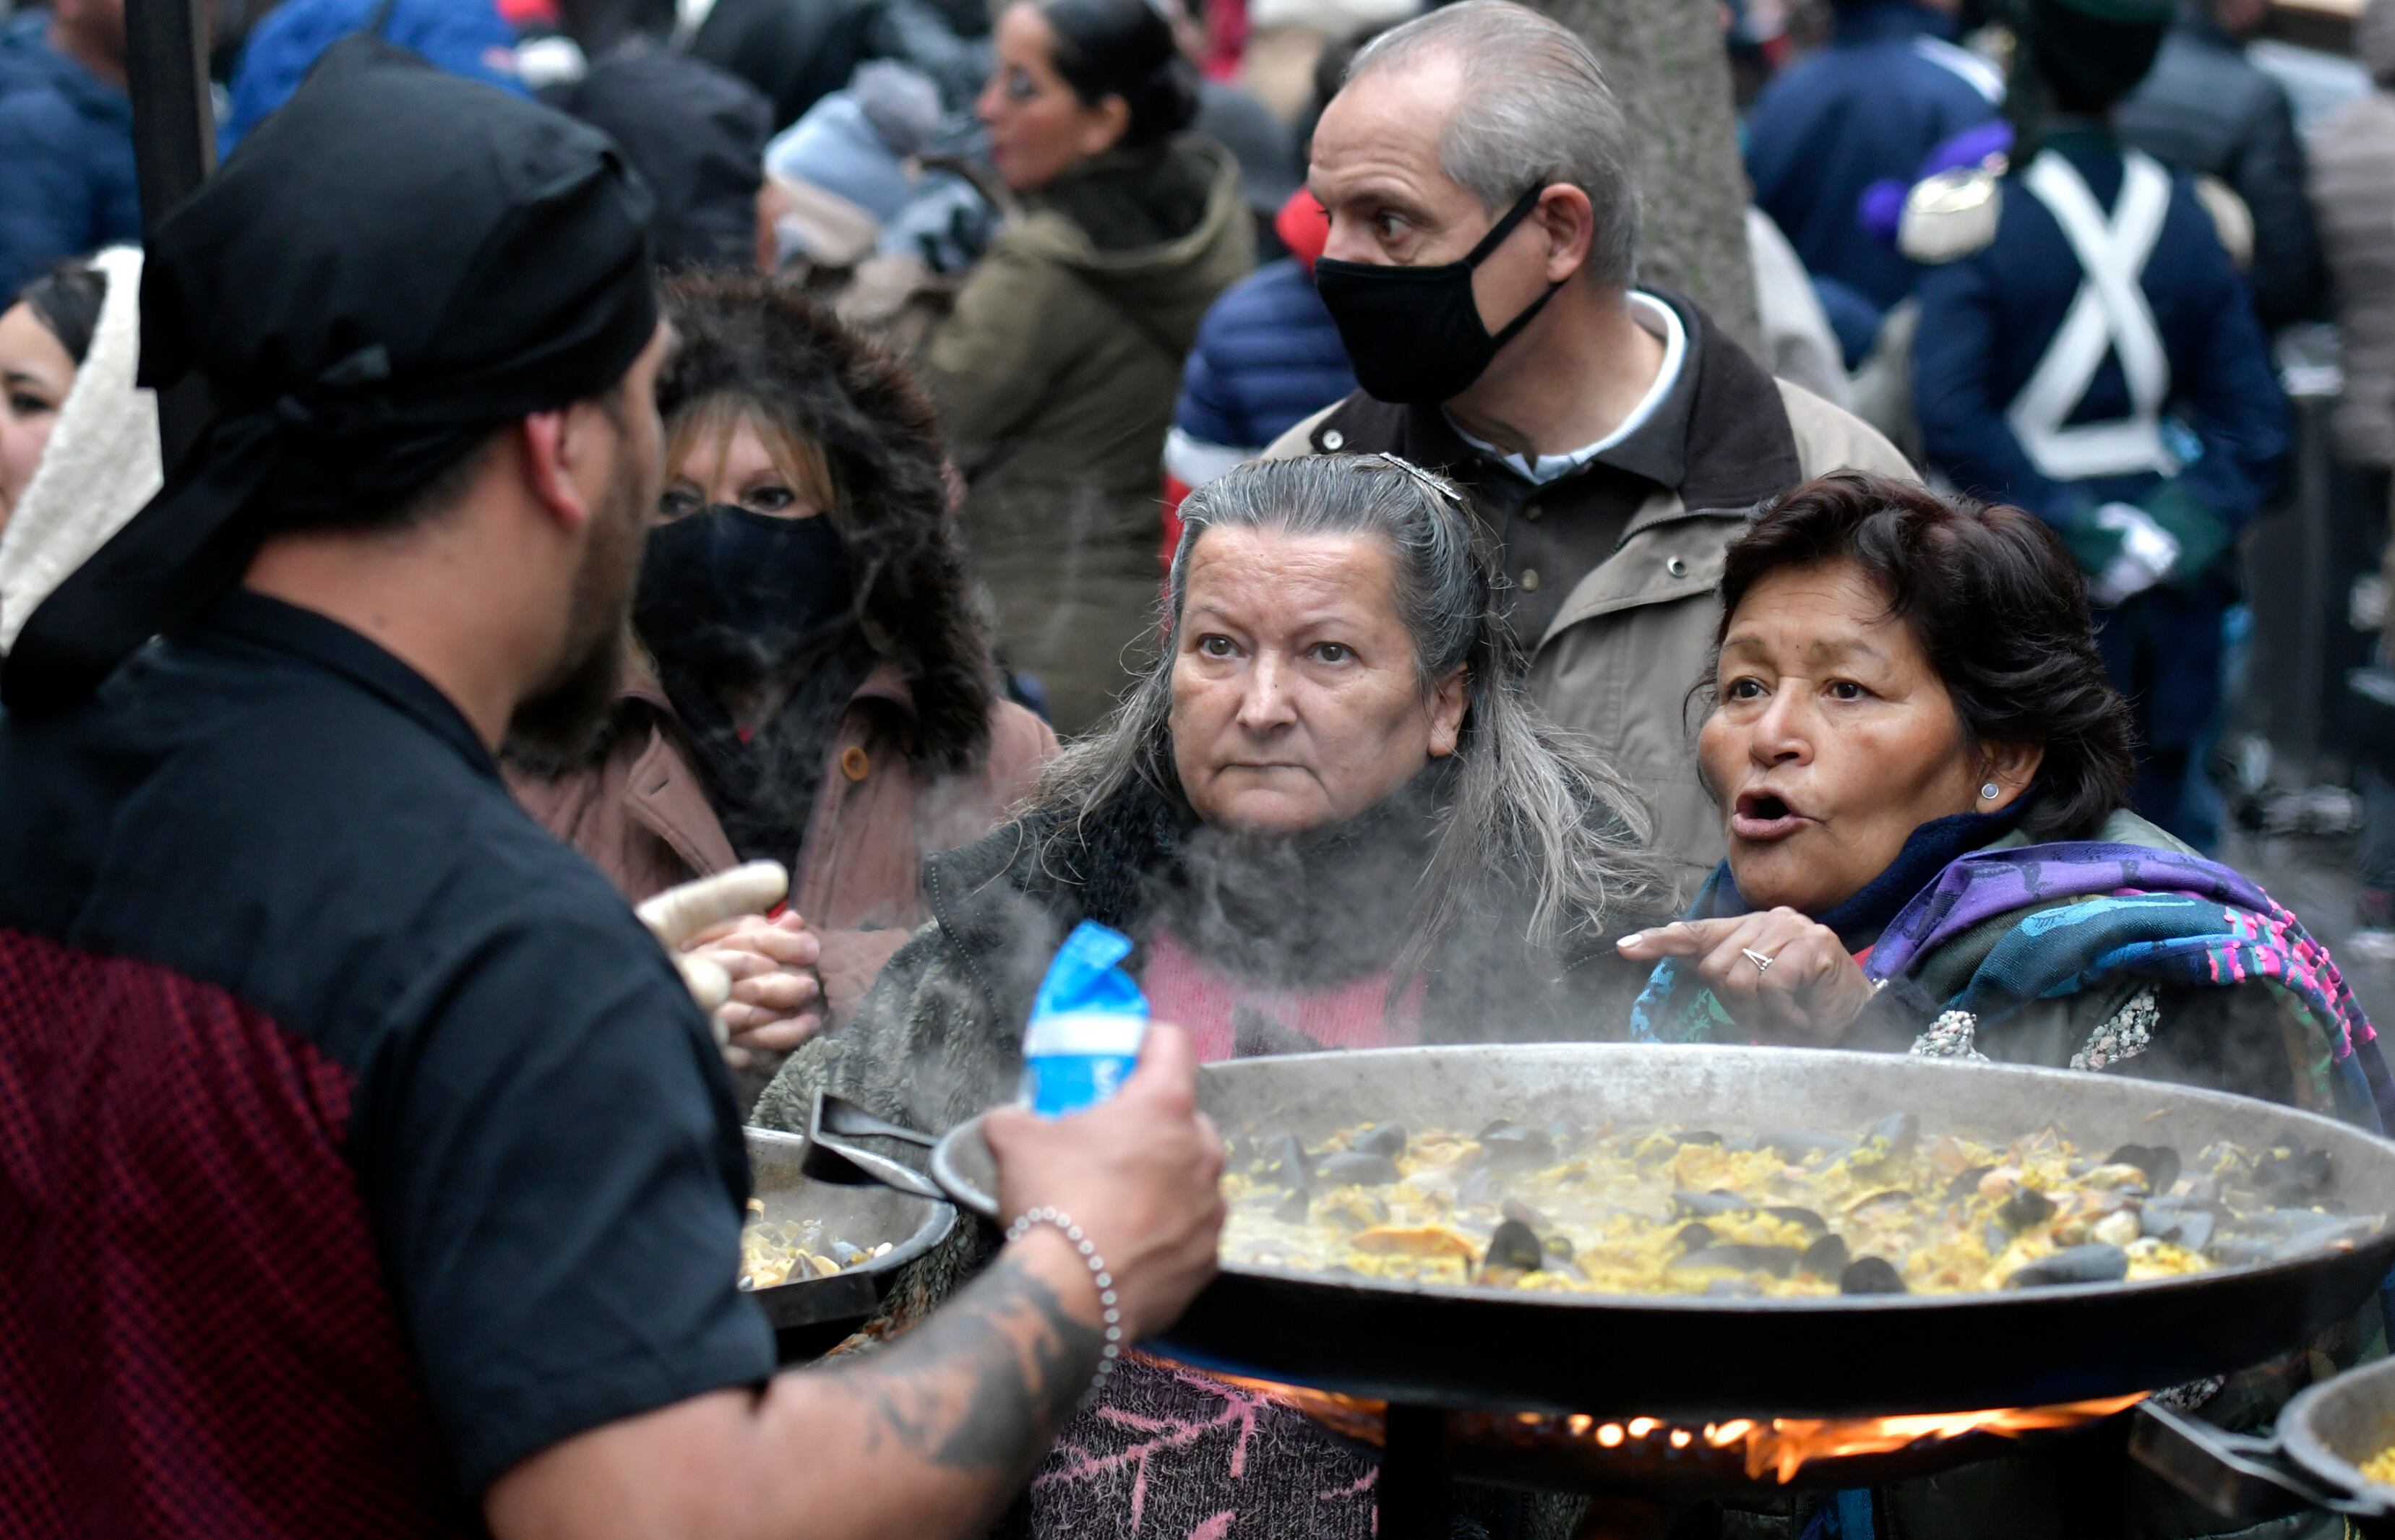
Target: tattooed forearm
1015,1413
986,1382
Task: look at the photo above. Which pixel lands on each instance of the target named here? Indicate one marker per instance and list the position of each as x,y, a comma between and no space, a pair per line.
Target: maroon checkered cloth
196,1334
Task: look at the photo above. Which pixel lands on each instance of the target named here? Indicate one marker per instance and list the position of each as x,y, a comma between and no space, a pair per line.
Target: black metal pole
1416,1486
174,149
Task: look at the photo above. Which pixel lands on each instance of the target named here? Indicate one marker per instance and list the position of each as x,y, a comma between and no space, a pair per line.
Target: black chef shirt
356,1141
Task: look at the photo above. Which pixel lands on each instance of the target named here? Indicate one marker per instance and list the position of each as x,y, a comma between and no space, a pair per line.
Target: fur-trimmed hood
1003,904
748,334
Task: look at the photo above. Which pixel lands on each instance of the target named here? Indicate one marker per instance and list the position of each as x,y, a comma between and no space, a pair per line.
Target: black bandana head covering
391,267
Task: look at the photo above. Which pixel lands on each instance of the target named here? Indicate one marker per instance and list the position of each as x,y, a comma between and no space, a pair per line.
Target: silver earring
1991,791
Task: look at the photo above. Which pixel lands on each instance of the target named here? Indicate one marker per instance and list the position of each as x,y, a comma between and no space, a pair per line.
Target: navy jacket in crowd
1986,321
1267,358
1889,88
66,157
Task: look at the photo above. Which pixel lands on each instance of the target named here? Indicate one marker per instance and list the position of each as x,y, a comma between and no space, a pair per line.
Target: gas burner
1647,1454
1653,1457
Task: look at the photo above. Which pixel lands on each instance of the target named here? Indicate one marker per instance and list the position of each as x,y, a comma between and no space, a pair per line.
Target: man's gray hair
1534,109
1535,808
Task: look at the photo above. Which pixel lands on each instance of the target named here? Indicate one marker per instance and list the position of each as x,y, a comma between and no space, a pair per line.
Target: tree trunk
1666,62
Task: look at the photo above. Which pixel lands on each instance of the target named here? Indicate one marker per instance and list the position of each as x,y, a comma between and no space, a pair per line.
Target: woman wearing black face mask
812,684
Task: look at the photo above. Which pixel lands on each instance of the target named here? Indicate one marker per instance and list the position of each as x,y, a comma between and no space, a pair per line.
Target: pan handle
839,1116
830,1158
2235,1475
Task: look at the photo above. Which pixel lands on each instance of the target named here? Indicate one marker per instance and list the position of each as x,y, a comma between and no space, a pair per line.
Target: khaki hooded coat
1057,373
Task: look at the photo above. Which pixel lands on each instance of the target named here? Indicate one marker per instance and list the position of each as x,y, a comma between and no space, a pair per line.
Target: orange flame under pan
1645,1451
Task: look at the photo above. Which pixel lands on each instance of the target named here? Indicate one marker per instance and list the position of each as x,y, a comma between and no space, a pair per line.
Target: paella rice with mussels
1779,1214
774,1252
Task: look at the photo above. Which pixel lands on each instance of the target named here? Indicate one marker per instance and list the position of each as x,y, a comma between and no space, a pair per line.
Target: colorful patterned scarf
2092,915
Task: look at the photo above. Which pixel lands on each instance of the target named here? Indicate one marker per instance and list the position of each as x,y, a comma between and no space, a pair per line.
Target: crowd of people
1219,471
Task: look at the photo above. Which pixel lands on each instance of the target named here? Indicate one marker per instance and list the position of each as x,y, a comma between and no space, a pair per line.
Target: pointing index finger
1680,938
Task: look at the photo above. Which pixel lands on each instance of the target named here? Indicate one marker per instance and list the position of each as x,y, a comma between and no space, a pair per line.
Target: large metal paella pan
1680,1355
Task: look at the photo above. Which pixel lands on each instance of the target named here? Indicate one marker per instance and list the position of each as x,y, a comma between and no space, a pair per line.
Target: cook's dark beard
558,726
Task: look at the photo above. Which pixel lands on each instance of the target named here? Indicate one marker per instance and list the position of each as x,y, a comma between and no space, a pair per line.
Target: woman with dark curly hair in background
814,687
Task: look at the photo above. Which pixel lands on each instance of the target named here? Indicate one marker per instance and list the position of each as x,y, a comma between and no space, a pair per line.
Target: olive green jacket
1062,358
1055,373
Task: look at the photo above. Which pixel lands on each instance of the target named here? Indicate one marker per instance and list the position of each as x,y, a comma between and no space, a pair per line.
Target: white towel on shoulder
101,464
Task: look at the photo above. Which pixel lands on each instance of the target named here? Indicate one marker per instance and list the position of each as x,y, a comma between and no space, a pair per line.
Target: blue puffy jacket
1267,358
66,158
464,37
1868,106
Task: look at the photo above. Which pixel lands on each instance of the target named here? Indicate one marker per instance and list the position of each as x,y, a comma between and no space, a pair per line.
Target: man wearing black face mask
1484,227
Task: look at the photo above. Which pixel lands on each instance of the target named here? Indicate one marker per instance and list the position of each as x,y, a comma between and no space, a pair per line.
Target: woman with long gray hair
1329,819
1518,792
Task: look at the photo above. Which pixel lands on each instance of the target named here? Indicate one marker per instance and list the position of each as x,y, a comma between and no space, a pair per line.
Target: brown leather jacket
642,815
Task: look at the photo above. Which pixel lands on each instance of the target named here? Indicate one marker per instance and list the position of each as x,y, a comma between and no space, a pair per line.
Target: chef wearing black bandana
365,1167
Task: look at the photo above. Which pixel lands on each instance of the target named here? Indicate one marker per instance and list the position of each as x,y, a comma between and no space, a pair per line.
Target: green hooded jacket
1056,374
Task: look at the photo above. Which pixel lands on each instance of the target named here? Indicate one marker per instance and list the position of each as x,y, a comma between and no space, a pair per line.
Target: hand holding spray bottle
1087,1023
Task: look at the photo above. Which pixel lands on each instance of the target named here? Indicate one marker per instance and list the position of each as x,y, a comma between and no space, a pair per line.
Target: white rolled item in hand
711,986
679,913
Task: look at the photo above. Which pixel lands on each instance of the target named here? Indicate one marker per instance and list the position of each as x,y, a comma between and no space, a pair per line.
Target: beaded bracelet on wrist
1112,1316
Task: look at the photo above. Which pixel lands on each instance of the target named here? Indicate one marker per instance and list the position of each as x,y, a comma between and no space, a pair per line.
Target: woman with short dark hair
1922,773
